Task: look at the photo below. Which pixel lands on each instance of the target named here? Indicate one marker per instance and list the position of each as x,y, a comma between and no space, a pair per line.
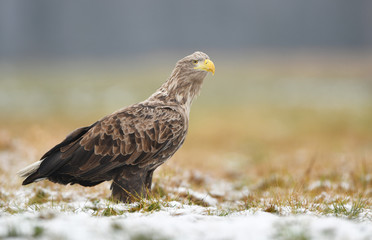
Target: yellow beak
207,65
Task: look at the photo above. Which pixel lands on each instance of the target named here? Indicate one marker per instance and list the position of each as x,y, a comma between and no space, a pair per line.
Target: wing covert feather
138,135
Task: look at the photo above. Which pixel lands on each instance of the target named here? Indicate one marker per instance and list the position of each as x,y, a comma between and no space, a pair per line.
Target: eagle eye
194,61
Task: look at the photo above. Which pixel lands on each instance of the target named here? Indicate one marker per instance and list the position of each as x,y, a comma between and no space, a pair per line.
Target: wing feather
141,135
130,137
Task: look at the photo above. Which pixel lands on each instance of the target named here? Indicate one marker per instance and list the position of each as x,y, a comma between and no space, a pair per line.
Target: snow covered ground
188,222
217,209
83,216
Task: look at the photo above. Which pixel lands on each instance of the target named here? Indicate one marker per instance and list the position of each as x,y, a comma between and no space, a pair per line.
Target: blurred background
293,79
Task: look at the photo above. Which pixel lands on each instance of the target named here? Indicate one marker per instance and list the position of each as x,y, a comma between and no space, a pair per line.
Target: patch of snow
203,197
319,184
166,225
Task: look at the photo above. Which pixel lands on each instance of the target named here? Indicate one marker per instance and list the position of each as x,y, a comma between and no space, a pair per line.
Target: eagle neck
179,90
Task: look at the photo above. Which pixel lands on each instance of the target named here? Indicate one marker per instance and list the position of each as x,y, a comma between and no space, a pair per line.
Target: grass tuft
39,197
291,230
272,209
13,232
147,205
109,211
38,231
343,209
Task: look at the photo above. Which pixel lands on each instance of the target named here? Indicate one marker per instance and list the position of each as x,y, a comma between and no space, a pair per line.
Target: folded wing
143,136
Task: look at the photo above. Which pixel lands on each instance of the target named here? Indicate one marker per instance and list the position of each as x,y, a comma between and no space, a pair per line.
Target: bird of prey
126,146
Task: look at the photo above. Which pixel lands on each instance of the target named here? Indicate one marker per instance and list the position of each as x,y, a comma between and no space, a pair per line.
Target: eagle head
198,63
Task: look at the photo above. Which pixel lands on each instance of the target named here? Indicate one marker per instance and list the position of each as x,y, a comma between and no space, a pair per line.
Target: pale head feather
184,83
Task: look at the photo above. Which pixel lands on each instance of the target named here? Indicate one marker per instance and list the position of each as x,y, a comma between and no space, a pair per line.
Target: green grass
39,197
291,230
341,208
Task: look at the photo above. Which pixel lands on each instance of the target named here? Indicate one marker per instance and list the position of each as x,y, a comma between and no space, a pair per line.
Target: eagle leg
149,179
130,186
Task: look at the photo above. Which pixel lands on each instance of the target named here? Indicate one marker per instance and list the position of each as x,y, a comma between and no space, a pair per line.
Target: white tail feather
30,169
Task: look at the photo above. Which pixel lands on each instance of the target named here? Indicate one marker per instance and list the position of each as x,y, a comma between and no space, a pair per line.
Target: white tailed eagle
129,144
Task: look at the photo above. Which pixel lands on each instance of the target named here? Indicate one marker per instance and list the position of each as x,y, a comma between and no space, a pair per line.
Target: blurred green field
274,124
82,90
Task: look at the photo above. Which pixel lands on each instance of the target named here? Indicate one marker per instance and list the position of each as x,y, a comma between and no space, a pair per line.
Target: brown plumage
129,144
